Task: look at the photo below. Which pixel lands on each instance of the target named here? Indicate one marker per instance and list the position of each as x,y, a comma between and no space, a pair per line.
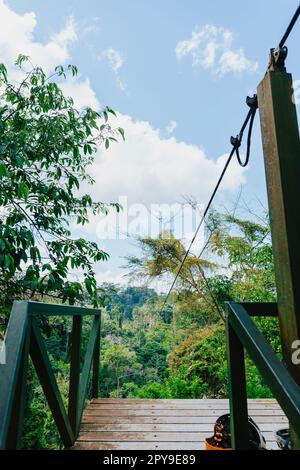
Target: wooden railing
243,333
24,339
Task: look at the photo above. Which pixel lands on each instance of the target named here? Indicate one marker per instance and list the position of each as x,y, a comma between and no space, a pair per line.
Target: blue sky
184,104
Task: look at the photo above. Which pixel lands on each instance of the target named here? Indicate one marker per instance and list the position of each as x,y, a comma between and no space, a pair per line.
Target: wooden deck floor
130,424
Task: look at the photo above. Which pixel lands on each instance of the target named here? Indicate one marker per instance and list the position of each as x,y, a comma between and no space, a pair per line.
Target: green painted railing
23,339
243,333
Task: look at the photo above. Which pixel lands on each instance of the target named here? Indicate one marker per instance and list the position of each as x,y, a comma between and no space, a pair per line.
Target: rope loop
237,141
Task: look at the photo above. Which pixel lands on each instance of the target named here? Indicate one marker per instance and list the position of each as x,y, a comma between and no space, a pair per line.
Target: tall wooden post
281,146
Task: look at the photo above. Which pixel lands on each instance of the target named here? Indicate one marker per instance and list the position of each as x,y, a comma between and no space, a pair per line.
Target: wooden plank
111,420
108,401
149,436
168,412
156,427
161,406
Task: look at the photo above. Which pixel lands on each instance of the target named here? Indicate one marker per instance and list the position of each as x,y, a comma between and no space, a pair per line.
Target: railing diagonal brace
46,376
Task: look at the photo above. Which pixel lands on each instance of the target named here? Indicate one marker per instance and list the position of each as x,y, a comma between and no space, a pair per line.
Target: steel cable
236,143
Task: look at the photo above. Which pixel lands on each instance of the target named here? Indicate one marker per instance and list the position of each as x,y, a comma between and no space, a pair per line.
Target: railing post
237,389
73,408
87,365
10,373
281,146
96,364
14,434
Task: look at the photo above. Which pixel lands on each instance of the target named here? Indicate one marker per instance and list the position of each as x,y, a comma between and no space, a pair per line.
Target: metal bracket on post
277,58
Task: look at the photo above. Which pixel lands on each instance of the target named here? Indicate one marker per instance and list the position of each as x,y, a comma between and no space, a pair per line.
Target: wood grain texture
179,406
184,401
177,428
170,419
174,412
134,424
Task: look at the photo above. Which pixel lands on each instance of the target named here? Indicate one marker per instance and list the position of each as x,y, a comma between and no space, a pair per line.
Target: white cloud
149,169
54,52
16,37
66,35
211,47
109,276
82,93
90,25
171,127
116,61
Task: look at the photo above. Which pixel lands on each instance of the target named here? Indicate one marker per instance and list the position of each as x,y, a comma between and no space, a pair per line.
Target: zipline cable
236,143
290,27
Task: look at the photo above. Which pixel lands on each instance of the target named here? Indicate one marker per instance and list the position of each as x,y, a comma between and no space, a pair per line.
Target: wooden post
73,409
281,146
237,390
96,365
14,435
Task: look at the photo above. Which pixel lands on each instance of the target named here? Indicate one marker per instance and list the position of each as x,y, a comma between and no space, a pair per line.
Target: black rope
290,27
236,143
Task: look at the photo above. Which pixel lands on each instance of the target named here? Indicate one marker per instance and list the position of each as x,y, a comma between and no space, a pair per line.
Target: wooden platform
131,424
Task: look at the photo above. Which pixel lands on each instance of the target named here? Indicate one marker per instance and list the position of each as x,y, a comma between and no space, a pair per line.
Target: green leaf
111,111
20,59
3,72
3,170
122,132
9,262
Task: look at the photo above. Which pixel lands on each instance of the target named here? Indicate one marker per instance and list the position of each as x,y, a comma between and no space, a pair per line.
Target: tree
119,365
161,257
130,297
245,247
240,267
46,147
